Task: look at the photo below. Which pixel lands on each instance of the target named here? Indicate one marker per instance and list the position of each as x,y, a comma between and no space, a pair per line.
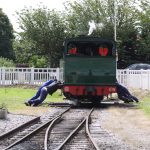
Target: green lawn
15,97
145,105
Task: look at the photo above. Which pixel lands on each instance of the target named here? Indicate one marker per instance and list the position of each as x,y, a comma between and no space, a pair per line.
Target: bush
38,62
4,62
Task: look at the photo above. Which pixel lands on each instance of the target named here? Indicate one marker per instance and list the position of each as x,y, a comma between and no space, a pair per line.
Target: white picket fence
134,78
36,76
9,76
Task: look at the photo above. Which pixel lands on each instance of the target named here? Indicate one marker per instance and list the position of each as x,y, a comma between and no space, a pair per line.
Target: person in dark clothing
45,90
39,90
124,94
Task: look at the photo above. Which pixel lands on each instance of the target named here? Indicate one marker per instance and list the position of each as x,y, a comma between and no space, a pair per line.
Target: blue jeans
37,95
42,97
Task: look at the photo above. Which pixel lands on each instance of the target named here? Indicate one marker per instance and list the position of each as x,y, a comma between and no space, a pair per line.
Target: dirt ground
33,111
140,94
129,123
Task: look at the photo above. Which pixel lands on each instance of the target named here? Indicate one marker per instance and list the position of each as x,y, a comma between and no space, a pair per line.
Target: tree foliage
143,43
132,36
81,12
44,29
5,62
24,50
6,36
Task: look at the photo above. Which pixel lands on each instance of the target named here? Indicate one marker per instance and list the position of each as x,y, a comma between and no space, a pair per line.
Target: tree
44,29
81,12
23,51
4,62
143,25
6,37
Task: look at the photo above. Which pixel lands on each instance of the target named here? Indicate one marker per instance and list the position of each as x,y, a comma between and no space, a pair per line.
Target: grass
144,100
145,104
14,98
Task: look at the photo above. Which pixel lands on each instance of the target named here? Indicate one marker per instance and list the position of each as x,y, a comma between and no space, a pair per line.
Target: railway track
69,134
27,130
60,136
19,128
60,129
71,129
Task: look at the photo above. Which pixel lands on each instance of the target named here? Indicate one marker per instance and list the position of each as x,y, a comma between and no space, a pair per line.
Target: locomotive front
89,68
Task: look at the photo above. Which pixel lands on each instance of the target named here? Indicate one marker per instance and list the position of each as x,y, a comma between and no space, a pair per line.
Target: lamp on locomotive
72,49
103,51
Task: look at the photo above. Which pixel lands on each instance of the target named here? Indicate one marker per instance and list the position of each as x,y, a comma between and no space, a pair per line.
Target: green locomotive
89,68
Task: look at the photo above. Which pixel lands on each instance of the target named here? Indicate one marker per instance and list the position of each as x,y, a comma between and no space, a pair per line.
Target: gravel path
129,125
105,139
13,121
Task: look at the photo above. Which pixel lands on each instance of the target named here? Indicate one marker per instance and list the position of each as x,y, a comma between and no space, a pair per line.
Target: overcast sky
11,6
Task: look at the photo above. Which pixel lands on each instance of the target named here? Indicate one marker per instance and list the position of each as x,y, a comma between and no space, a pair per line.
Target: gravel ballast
13,121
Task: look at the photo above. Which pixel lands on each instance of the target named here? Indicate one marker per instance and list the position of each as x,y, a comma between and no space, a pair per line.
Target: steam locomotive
89,68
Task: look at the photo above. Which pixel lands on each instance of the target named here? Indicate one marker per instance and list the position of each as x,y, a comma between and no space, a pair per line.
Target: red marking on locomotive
103,51
72,51
83,90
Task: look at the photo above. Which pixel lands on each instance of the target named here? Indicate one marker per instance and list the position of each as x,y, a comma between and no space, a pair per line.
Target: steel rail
72,133
19,128
48,130
35,130
88,132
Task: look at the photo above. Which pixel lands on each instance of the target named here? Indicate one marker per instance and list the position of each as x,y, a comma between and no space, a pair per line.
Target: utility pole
115,29
115,15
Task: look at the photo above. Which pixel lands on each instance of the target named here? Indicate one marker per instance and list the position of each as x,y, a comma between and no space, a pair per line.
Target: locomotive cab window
82,49
89,49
